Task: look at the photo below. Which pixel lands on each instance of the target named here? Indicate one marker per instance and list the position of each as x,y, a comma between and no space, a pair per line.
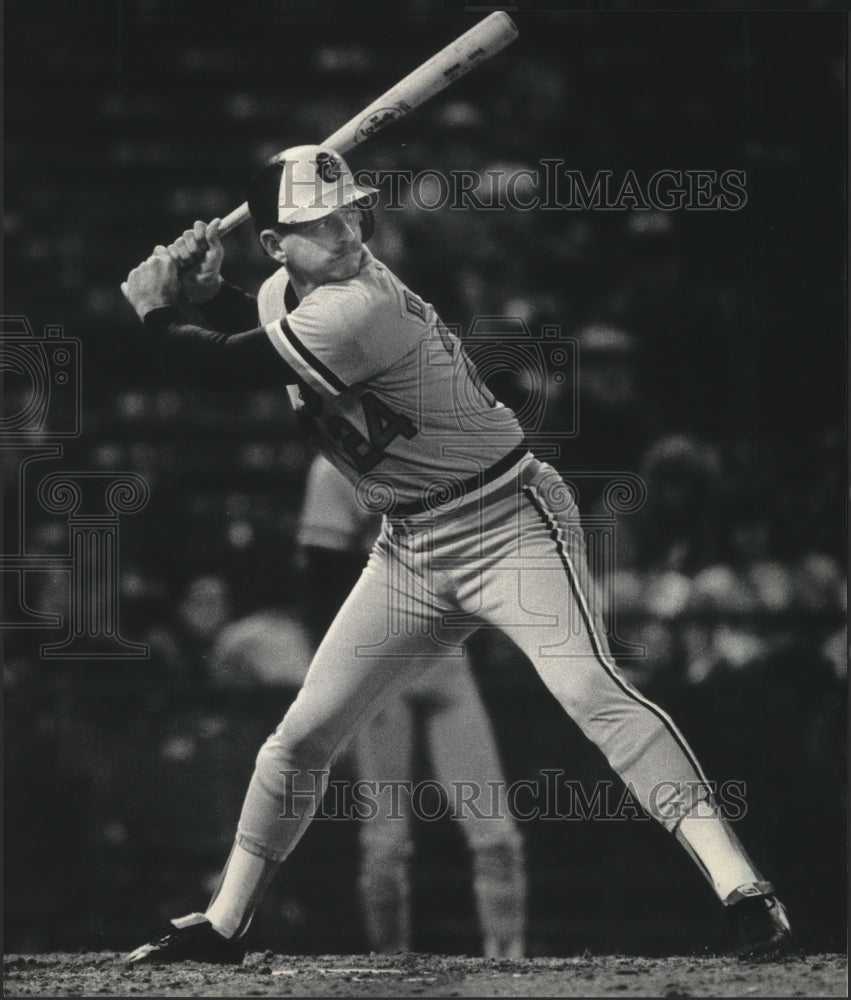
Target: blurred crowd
730,564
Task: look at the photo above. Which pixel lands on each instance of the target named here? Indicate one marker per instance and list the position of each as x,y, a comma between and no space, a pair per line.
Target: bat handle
229,222
234,219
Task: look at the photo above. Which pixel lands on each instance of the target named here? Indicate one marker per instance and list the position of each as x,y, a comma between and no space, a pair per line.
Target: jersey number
383,425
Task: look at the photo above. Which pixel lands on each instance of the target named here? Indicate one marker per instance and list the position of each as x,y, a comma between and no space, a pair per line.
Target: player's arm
213,360
200,356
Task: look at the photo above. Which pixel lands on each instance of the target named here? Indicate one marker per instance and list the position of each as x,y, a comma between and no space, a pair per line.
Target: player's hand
153,284
199,254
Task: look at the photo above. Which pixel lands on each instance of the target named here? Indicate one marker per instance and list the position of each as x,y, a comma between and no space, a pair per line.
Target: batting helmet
305,183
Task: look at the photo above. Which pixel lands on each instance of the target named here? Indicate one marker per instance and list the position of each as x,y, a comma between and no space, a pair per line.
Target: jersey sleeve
212,360
329,339
231,310
270,297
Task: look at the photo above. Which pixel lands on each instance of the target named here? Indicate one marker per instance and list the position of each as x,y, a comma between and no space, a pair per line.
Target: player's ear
271,243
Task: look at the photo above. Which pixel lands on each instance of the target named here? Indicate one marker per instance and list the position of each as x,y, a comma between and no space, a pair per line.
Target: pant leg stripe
556,531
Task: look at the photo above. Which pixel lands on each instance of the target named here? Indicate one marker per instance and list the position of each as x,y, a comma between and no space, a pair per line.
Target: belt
463,488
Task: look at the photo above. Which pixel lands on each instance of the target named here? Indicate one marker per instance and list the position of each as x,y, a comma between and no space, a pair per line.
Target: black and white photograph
425,498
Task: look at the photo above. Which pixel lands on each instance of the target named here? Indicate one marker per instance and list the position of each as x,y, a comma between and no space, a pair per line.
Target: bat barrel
480,42
455,60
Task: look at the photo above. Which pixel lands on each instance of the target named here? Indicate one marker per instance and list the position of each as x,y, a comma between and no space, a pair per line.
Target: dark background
126,121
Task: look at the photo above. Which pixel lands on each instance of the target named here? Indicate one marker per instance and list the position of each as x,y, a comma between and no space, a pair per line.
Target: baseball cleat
761,927
189,939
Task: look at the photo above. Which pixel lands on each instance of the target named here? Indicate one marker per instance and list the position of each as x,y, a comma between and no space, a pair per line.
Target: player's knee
588,695
291,750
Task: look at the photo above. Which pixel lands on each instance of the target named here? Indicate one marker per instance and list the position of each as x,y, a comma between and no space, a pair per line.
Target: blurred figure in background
335,536
676,528
204,607
266,646
660,549
617,422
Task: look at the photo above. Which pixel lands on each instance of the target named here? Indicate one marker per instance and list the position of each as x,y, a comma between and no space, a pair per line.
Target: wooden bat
482,41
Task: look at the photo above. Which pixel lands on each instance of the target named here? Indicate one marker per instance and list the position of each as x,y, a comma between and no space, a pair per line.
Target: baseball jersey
384,385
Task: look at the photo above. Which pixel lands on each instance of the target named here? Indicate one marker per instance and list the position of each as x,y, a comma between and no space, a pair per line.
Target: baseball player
335,535
476,531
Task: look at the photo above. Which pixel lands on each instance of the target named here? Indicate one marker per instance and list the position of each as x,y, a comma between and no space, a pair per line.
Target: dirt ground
96,974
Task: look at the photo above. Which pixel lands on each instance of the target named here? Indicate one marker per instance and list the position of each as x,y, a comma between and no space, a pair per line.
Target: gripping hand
152,284
198,254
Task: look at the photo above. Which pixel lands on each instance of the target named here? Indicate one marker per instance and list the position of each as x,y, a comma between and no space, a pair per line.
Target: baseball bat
482,41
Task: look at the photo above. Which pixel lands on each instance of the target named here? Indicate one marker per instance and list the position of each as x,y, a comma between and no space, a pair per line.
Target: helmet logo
328,167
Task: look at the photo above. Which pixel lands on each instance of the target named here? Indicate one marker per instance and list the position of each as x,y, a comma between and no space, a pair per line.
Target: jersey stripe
598,644
303,361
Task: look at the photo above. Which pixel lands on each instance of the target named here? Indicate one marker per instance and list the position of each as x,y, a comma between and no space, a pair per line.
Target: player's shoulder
345,332
371,293
276,282
271,295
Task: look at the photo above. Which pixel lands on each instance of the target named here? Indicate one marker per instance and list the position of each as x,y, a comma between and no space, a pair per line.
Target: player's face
329,249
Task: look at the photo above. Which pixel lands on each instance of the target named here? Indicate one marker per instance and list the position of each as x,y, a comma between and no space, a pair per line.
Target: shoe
189,939
760,927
